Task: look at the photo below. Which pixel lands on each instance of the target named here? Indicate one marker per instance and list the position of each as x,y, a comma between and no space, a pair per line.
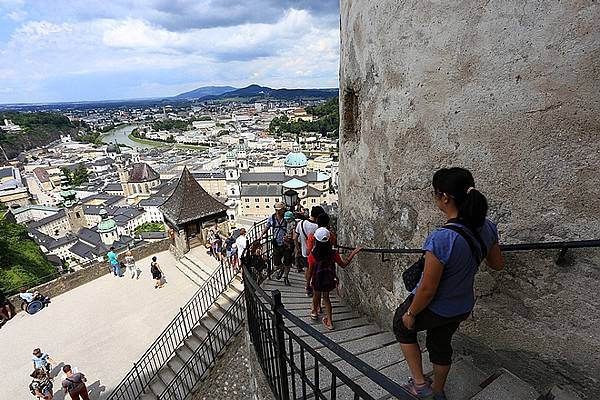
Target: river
120,135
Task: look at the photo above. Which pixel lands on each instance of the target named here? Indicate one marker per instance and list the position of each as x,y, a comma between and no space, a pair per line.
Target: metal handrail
269,340
205,356
146,368
573,244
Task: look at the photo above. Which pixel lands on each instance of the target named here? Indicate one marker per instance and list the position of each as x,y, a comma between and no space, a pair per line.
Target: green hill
39,129
22,263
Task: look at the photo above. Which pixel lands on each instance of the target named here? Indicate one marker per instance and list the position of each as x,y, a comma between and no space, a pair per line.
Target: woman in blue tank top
444,297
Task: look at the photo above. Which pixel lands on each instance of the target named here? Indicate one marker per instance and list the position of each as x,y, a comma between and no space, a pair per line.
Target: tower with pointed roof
190,212
73,207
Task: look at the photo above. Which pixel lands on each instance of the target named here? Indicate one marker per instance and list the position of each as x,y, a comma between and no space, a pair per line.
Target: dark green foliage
170,124
22,263
150,227
76,177
327,122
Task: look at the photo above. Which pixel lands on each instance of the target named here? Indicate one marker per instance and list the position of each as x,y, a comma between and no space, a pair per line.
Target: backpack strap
303,231
479,253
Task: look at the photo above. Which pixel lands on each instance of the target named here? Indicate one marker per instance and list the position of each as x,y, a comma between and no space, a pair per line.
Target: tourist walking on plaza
41,385
156,273
282,259
322,260
74,384
130,266
305,228
444,296
42,360
114,262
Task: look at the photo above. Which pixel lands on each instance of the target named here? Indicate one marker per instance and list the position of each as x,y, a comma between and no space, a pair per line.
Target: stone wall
70,281
509,90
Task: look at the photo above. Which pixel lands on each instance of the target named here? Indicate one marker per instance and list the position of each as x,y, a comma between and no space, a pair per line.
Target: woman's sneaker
421,391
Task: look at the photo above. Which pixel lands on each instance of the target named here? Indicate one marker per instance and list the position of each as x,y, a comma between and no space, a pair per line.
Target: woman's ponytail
473,210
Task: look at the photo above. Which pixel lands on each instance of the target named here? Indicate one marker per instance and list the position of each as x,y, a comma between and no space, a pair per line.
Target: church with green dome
254,193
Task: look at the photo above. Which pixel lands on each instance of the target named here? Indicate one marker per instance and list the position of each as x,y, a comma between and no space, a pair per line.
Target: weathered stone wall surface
511,91
70,281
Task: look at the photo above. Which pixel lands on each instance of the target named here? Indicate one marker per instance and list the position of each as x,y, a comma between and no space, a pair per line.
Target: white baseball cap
322,234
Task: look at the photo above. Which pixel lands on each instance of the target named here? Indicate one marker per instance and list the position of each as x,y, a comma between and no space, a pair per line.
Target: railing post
280,345
139,376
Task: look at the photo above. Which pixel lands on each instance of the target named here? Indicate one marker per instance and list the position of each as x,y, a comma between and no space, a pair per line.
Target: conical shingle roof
190,202
142,172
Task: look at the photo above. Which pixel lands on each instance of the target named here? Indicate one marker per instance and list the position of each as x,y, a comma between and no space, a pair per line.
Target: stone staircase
196,267
379,349
195,340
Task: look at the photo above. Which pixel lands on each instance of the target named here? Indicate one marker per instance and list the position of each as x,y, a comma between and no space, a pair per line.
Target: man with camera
283,257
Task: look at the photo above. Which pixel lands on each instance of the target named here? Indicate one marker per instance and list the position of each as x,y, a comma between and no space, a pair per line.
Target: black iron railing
292,367
163,348
205,356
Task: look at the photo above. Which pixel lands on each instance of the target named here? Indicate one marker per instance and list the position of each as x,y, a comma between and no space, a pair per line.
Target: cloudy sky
70,50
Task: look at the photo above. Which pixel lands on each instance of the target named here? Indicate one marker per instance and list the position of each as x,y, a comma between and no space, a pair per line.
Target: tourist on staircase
282,257
322,261
290,246
444,295
241,242
303,229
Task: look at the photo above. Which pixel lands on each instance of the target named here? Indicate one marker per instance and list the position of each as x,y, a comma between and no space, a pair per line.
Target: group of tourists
227,250
128,264
42,384
131,268
309,245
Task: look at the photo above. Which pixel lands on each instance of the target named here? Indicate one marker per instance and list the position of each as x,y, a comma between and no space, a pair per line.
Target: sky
76,50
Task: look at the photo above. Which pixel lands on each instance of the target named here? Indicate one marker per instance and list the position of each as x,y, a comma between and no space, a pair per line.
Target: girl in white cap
322,260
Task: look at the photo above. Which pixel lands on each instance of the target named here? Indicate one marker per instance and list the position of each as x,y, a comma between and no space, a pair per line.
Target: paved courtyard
101,328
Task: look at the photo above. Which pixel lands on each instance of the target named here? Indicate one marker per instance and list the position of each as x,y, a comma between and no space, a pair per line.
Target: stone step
208,265
189,273
464,380
503,385
560,393
194,268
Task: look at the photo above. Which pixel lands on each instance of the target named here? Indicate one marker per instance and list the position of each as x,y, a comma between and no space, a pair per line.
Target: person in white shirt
240,243
303,230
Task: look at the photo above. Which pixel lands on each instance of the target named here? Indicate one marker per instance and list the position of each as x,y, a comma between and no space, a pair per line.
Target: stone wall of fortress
511,91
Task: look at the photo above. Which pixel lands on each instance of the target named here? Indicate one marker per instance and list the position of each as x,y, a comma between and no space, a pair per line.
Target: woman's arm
494,259
432,273
344,263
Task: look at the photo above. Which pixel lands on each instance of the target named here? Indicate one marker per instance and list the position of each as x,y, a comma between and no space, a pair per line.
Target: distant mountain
257,92
205,91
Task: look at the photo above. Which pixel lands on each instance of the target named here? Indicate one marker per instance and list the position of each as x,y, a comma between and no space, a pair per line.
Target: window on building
313,201
266,199
256,200
277,200
247,200
232,191
77,214
247,206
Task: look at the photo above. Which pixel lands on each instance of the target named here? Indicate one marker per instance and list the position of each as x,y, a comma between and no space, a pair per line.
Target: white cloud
297,50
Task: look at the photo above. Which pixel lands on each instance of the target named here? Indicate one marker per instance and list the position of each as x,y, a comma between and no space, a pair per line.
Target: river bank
158,143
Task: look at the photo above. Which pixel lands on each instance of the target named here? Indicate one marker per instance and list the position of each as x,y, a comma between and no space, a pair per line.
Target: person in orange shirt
322,222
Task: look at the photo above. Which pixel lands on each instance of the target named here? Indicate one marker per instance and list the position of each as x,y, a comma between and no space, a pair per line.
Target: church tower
123,178
242,156
232,175
73,208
